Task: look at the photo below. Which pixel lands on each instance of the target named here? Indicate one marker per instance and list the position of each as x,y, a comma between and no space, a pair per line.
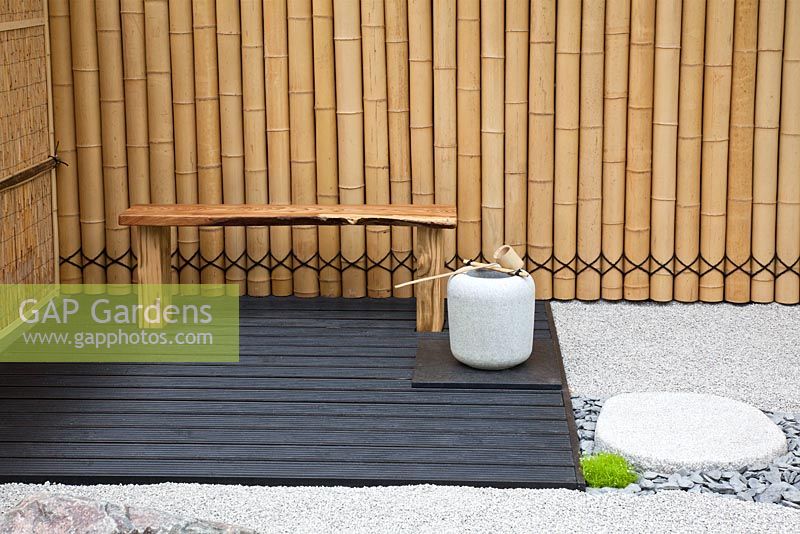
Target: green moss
606,470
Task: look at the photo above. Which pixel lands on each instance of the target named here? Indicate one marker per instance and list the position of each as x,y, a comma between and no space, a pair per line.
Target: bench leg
154,271
430,297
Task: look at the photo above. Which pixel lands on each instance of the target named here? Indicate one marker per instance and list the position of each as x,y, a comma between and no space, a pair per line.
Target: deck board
321,395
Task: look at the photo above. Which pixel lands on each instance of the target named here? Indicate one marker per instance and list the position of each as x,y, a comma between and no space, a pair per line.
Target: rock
744,496
646,484
64,513
737,484
589,425
697,479
791,505
632,488
773,493
758,466
696,489
729,474
685,483
791,495
773,476
714,474
754,484
723,489
650,475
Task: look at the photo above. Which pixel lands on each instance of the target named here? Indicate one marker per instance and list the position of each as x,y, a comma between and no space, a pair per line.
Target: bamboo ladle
508,262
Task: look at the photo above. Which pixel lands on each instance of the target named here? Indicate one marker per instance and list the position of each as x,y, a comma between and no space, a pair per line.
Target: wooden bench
156,220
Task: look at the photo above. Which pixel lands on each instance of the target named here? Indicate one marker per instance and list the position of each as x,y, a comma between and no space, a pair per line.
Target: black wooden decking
322,395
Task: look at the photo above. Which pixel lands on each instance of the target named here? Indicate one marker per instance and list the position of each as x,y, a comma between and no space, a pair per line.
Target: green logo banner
119,323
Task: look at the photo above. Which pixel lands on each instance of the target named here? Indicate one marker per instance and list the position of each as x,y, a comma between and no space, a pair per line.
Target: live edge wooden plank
430,216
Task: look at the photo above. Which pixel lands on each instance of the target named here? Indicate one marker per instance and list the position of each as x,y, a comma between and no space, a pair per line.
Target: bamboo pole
740,155
396,18
445,156
112,115
330,279
714,170
69,236
787,283
665,148
565,193
276,57
135,81
88,139
350,121
229,51
183,112
615,122
765,148
492,125
55,273
638,169
516,124
469,129
690,106
302,146
376,144
420,58
590,170
254,119
209,166
159,108
541,123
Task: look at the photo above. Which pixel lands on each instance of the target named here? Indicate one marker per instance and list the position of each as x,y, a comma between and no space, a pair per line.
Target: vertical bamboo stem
615,123
255,141
787,247
590,170
112,115
714,170
69,236
541,123
159,102
469,129
183,112
445,157
135,81
376,144
565,194
54,277
330,279
88,138
638,170
420,58
276,57
492,125
302,147
690,106
229,52
765,148
665,148
396,18
209,166
740,155
516,125
350,121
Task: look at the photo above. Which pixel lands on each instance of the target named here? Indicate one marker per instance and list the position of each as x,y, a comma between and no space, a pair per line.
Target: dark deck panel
322,395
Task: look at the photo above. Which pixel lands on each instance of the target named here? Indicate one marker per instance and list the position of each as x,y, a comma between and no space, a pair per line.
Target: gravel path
750,353
440,509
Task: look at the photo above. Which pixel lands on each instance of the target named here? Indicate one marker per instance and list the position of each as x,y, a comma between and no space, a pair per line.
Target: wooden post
154,269
430,298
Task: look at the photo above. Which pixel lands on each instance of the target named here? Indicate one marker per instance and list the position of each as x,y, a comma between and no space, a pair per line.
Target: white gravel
750,353
439,509
668,431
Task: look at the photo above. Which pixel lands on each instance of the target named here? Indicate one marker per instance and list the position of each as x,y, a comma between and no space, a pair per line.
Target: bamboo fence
625,148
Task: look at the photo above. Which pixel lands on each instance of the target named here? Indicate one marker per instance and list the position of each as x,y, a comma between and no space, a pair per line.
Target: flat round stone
666,431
